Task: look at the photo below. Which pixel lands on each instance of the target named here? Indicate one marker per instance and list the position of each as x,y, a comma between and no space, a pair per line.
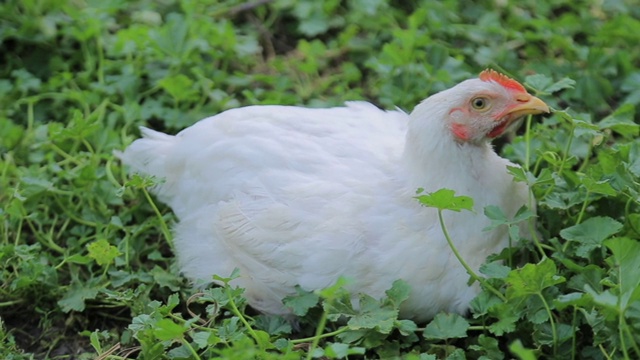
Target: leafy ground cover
86,265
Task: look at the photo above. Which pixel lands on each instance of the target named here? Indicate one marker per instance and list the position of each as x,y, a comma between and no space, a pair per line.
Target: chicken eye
480,103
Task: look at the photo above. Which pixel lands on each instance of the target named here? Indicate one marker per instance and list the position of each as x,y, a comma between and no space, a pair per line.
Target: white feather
295,196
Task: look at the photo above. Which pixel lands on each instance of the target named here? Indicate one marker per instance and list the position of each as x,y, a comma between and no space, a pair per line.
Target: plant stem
623,344
11,303
634,344
554,332
584,207
163,224
191,349
321,336
574,325
527,141
244,321
464,263
530,199
316,339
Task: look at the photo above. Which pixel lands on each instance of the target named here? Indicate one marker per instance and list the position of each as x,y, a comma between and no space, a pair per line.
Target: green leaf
484,302
166,278
373,316
591,233
273,325
178,86
496,215
446,326
488,345
75,297
166,329
102,252
201,338
545,84
564,83
495,269
406,327
521,352
626,254
532,279
621,121
302,302
399,292
445,199
336,290
79,259
342,351
506,322
598,187
225,280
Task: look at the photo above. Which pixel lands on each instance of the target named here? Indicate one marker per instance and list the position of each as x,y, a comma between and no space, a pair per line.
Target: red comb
504,80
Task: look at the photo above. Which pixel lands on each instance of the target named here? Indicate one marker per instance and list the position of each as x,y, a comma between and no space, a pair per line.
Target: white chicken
296,196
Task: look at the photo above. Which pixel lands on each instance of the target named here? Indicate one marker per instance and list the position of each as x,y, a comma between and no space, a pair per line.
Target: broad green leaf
399,292
166,329
445,199
335,290
482,303
544,334
406,327
591,274
495,269
301,302
521,352
201,338
506,323
626,254
489,346
621,121
423,356
338,307
180,352
457,354
342,351
95,341
576,299
446,326
166,278
234,275
545,84
496,215
263,339
564,83
102,252
598,187
532,279
273,325
538,81
591,233
178,86
372,315
79,259
172,301
521,175
524,213
75,297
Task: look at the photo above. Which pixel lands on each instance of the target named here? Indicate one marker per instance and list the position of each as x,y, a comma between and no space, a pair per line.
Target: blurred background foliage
80,252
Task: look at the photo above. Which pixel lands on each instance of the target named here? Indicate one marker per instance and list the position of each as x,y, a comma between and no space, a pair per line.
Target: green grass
86,263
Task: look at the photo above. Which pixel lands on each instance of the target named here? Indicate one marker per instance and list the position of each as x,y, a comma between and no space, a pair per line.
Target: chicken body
295,196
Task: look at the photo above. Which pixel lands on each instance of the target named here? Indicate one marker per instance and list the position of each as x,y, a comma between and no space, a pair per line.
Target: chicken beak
527,105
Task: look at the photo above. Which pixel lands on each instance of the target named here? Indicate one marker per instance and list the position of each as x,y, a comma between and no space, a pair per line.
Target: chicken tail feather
147,155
